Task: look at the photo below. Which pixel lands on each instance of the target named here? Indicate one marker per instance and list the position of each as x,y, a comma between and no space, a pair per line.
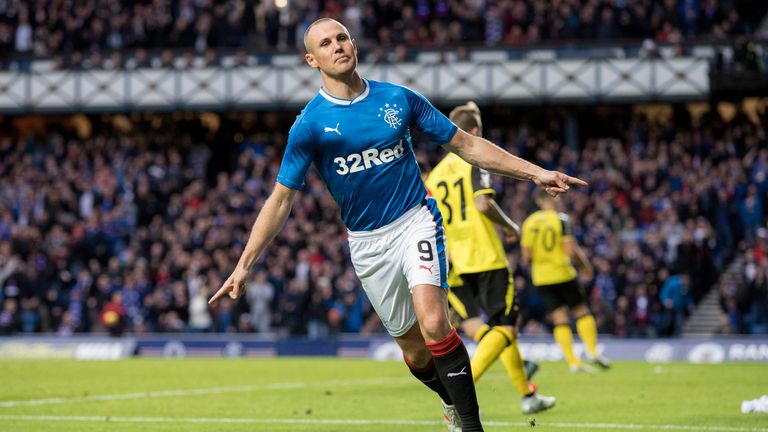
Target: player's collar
340,101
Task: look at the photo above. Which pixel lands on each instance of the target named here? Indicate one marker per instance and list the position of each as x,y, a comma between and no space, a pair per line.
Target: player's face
331,49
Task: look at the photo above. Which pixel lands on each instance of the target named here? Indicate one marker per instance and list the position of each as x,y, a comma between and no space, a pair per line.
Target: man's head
544,200
330,48
467,118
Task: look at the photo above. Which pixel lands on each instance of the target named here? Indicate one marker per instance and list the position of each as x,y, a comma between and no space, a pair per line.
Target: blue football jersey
362,149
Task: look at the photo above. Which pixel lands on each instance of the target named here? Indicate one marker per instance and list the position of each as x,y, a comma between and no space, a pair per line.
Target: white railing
269,87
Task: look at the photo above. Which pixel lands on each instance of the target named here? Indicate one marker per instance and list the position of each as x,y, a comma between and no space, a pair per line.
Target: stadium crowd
667,208
114,34
130,232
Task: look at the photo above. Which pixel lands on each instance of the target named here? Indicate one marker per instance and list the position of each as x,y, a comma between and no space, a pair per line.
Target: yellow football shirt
472,242
543,234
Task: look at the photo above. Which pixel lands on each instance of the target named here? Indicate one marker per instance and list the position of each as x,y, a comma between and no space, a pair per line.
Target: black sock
428,376
454,370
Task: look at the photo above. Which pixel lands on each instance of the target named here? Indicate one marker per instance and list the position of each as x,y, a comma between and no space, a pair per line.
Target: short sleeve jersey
363,151
543,233
473,244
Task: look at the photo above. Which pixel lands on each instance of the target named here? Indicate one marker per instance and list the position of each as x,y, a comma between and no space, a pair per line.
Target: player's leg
530,366
491,341
474,327
463,300
421,363
586,327
564,336
493,295
497,298
558,316
557,312
464,311
575,296
469,320
530,400
378,263
426,268
450,356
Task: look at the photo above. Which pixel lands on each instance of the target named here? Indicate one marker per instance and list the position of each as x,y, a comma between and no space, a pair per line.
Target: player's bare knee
511,329
580,310
471,326
559,316
435,327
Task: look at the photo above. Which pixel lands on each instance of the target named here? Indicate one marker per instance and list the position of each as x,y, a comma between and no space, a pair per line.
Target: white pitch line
200,391
653,427
368,422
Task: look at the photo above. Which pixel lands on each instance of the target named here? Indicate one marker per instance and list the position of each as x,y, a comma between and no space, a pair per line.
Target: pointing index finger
577,181
218,294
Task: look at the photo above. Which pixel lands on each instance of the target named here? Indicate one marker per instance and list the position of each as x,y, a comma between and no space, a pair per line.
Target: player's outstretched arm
484,154
269,222
578,257
490,209
525,256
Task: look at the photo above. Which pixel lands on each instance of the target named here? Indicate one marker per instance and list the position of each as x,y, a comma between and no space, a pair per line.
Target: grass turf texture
328,394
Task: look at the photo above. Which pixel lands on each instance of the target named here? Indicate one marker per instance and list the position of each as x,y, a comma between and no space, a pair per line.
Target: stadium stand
91,213
141,206
111,34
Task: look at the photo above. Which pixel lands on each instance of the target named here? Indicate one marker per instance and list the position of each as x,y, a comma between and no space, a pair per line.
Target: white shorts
396,257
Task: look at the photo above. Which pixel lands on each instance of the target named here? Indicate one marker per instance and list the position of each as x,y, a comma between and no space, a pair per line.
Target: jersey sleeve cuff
289,184
484,192
450,134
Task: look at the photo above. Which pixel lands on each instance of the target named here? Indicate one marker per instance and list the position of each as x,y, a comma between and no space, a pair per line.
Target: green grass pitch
328,394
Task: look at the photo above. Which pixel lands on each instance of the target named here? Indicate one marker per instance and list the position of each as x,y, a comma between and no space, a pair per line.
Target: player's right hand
555,182
234,285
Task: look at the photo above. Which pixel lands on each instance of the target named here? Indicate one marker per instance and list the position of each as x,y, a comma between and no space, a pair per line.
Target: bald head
316,22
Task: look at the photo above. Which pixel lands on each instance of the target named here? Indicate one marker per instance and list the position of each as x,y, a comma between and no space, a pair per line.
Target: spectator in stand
677,301
113,315
10,322
259,295
751,212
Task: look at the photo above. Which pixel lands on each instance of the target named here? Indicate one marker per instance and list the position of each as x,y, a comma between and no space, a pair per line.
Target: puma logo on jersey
357,162
429,269
336,129
455,374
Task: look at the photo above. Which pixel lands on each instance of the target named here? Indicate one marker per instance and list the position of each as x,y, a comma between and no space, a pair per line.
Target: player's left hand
510,235
555,182
587,274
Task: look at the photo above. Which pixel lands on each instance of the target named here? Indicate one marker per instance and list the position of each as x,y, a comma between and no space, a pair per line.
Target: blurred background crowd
114,34
127,224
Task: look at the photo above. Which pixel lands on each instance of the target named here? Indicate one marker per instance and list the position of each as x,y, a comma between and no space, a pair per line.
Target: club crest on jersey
390,114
